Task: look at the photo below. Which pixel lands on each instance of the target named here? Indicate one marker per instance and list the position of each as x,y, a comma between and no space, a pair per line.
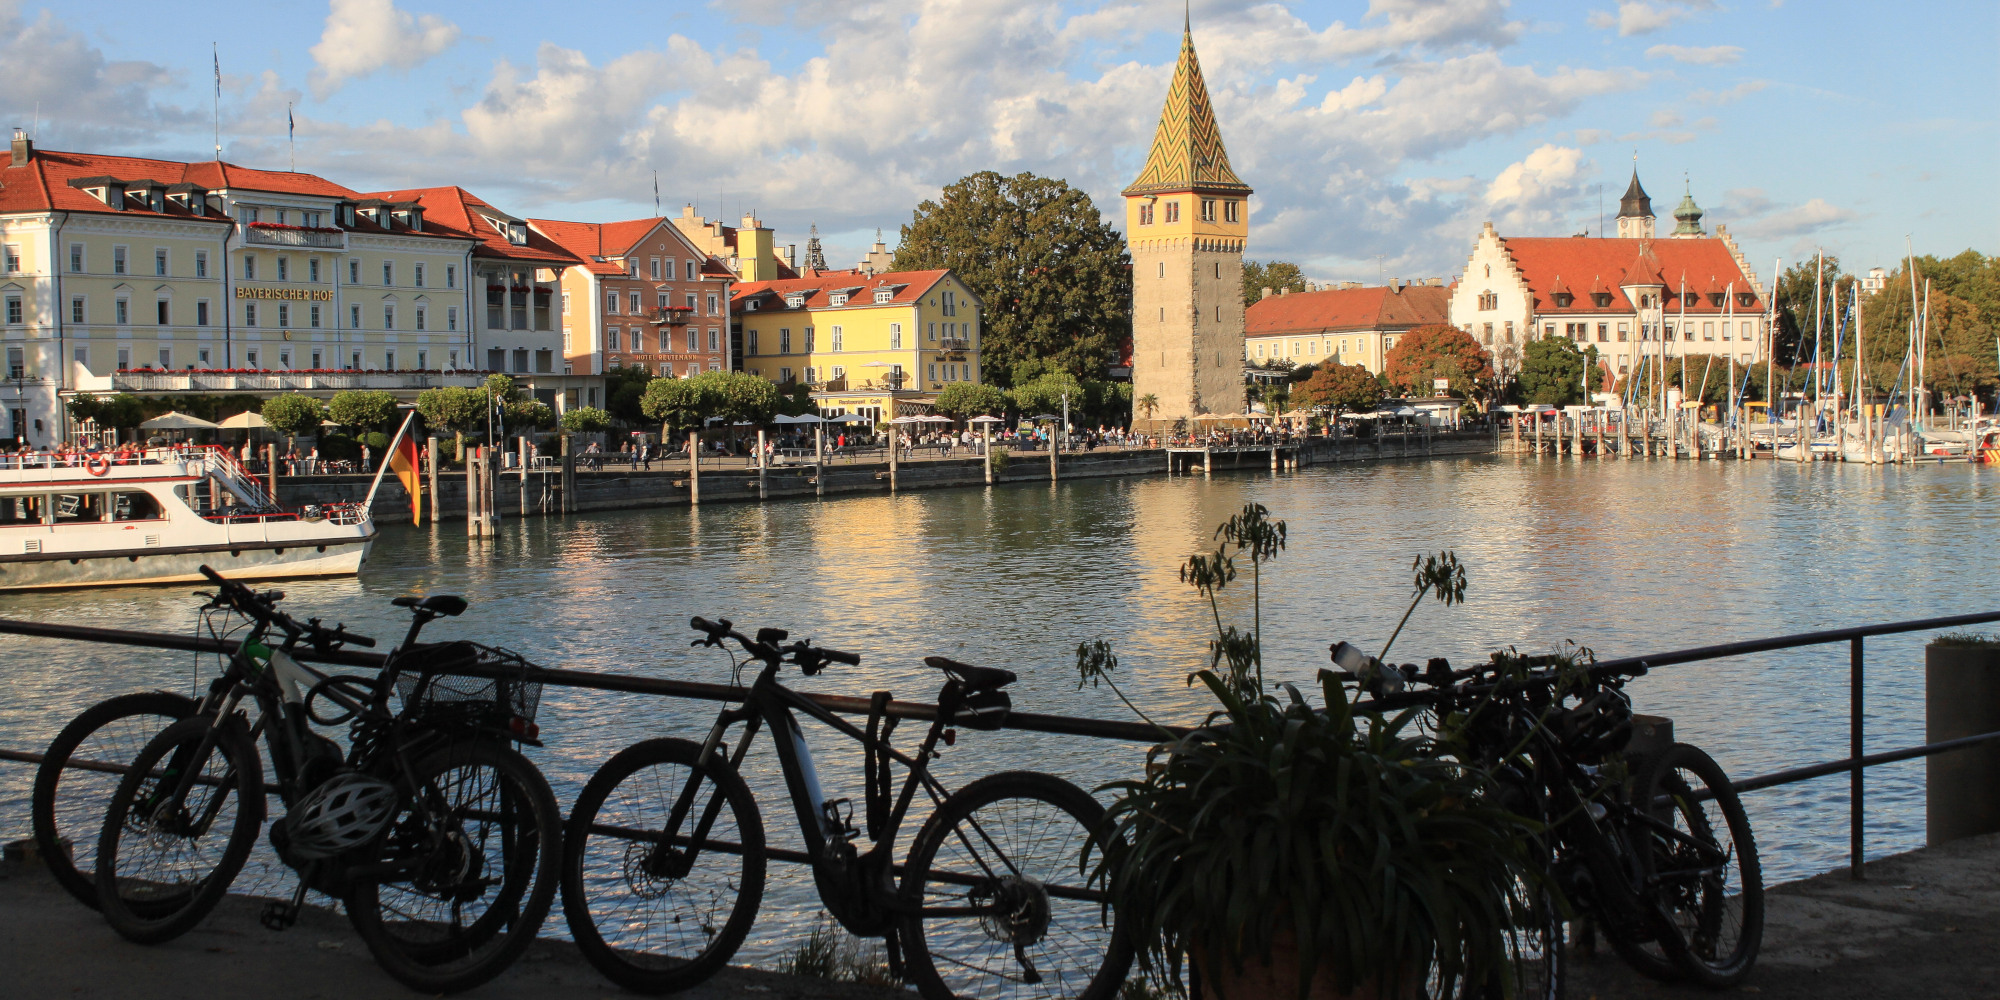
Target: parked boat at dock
84,519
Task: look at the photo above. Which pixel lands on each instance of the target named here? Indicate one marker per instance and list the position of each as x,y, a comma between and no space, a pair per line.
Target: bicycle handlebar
810,659
261,606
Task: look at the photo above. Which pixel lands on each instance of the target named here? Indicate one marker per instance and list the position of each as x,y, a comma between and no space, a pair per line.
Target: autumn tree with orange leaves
1433,352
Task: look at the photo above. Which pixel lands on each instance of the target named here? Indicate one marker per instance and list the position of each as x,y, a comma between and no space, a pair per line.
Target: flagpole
216,54
383,465
292,136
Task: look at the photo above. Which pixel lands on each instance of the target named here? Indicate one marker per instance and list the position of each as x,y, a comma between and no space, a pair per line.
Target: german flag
404,462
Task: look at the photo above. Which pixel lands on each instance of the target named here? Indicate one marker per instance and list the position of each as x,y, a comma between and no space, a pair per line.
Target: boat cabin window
22,510
138,506
77,508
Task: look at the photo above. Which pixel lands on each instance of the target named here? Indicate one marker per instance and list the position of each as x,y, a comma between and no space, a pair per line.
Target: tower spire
1187,152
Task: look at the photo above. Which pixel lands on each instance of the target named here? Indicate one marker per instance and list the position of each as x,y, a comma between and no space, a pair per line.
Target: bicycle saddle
450,605
974,678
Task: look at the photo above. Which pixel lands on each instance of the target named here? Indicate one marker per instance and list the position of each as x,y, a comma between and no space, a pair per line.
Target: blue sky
1378,136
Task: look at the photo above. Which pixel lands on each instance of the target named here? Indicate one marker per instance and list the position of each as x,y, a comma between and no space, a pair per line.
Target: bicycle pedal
278,916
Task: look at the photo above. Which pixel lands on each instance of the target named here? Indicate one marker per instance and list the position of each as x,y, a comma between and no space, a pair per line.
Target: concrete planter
1961,698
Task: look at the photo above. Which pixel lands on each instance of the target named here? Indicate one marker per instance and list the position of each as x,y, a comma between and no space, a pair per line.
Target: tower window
1173,211
1146,215
1208,210
1229,211
1163,269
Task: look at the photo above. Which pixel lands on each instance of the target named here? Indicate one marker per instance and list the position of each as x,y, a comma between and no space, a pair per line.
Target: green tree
624,386
586,420
741,397
1045,394
1963,323
1054,276
294,413
530,413
83,406
1147,404
1553,370
1278,274
1340,388
968,399
1795,295
502,387
798,401
361,410
1433,352
679,403
453,409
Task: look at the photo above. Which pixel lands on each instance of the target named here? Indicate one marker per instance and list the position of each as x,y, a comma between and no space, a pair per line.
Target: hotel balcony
314,380
264,234
955,344
670,316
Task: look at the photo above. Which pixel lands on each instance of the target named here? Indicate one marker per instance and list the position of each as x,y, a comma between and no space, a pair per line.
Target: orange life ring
97,465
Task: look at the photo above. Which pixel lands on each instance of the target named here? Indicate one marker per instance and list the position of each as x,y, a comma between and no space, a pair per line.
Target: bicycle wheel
645,914
1703,862
76,780
474,870
179,829
998,879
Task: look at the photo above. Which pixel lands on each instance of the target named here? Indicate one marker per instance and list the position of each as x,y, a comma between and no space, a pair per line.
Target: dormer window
884,295
837,299
1563,299
1715,299
795,300
517,233
750,306
1746,299
1600,299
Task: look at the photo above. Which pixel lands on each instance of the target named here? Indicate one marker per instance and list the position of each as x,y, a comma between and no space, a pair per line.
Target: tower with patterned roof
1186,220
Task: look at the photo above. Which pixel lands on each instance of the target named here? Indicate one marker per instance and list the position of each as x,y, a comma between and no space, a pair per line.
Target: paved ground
52,947
1924,924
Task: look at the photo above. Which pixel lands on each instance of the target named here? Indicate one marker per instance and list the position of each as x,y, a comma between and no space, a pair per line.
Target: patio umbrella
984,419
1044,416
848,418
174,420
803,418
932,418
907,420
243,421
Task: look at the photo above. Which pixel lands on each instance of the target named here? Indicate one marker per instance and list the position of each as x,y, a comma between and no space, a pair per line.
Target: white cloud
1799,220
1711,55
1530,196
1641,17
367,36
84,99
1730,96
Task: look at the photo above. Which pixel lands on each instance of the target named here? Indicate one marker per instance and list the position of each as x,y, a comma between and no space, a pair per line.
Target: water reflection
1623,557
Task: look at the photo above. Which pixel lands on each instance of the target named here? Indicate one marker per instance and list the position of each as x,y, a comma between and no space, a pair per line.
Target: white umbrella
984,419
174,420
932,418
907,420
242,422
803,418
848,418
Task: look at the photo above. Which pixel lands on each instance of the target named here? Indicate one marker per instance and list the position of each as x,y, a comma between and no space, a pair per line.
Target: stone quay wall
621,488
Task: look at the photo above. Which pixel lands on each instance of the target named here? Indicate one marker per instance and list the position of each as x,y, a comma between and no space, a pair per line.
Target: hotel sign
293,294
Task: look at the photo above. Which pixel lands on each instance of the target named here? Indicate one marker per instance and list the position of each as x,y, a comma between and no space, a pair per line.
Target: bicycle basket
435,689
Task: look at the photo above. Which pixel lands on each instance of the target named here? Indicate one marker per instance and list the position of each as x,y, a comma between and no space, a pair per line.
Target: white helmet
345,812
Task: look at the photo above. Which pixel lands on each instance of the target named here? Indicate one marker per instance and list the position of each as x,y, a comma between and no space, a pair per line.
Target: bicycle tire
604,881
136,904
69,800
976,824
1699,907
433,957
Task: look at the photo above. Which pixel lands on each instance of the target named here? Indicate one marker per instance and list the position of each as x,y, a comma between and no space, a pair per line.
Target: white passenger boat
155,516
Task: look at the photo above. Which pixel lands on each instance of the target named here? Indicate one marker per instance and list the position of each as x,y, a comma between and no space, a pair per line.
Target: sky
1379,136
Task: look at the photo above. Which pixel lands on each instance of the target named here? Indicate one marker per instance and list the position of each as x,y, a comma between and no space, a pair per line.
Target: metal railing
1854,764
294,238
315,380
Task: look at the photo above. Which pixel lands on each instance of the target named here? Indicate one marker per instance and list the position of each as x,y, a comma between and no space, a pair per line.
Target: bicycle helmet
348,810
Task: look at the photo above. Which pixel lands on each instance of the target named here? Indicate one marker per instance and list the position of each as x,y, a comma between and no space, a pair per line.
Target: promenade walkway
1922,925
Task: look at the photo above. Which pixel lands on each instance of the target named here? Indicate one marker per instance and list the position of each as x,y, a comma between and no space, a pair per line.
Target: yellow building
879,345
1187,218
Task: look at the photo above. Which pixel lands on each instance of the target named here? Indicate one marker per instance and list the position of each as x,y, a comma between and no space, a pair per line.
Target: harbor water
1622,557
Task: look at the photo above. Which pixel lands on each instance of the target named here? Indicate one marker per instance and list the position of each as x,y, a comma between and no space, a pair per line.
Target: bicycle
1655,850
439,837
80,770
664,852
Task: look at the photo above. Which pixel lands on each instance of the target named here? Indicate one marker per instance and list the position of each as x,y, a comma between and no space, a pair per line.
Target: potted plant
1287,847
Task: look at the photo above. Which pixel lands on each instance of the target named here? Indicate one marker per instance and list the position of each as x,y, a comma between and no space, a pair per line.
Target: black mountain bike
1654,849
79,772
438,836
664,852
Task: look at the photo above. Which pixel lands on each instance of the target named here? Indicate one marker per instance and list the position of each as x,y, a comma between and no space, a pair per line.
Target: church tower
1187,217
1635,210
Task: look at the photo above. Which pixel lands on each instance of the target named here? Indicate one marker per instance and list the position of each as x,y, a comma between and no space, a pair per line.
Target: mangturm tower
1186,219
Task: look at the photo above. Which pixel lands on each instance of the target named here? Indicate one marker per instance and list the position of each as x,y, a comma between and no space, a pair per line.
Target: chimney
1396,286
1435,282
1267,292
24,148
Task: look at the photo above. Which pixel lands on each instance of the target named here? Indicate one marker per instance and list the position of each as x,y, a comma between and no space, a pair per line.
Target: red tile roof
42,184
910,286
1377,308
1602,265
591,240
464,211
